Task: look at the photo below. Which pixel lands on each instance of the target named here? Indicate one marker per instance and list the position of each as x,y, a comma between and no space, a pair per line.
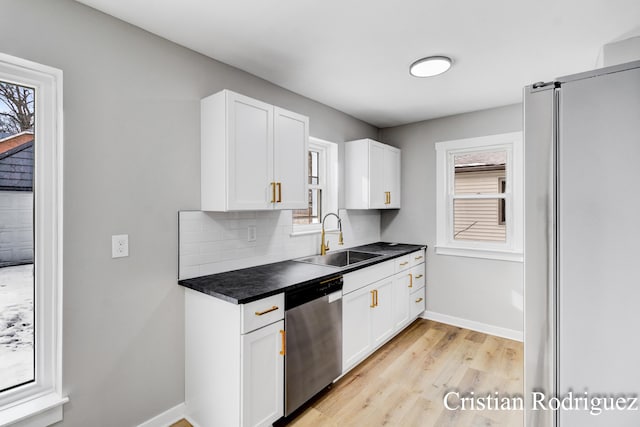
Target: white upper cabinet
290,159
372,172
253,155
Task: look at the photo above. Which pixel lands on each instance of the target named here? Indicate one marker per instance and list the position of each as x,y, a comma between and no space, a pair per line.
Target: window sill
312,231
40,410
512,256
305,232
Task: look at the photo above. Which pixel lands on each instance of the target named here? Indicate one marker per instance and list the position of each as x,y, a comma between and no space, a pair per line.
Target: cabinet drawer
403,263
408,261
360,278
417,277
417,302
417,257
259,313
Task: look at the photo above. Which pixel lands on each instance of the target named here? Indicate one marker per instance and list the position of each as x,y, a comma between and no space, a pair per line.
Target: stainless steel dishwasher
313,323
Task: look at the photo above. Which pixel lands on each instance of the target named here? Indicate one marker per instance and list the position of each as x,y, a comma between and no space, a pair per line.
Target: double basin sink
340,258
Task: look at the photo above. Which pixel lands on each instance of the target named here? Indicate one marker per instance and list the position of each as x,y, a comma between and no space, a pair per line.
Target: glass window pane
16,227
478,173
478,219
311,215
502,214
314,158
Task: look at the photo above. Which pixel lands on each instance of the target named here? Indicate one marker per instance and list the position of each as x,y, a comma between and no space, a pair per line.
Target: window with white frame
31,260
322,180
479,197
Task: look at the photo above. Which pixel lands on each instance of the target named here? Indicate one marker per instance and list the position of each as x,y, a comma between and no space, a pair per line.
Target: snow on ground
16,325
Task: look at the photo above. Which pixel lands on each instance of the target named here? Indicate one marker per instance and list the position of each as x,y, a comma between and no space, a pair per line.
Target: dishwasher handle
311,291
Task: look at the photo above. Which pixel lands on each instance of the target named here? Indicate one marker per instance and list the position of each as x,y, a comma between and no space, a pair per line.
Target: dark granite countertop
251,284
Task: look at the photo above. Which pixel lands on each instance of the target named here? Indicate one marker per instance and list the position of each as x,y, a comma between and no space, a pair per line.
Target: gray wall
479,290
131,106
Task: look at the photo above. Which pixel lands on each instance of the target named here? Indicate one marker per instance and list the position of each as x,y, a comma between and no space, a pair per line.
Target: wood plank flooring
404,382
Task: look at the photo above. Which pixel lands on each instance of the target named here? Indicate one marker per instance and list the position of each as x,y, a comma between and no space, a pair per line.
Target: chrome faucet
324,247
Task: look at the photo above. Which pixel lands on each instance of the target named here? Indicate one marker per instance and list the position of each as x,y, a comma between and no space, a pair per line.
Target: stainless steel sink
339,259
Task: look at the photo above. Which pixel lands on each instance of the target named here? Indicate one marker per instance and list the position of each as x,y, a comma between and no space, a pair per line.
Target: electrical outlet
251,233
119,246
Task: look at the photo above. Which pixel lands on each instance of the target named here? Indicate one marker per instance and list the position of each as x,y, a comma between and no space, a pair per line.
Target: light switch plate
119,246
251,233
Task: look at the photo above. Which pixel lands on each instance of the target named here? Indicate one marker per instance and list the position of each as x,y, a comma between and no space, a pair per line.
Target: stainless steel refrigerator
582,247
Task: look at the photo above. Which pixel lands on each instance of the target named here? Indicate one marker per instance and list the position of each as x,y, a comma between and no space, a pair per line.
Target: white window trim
328,182
511,250
40,402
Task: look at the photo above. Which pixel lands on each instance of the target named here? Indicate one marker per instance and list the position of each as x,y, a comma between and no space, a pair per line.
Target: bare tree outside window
17,109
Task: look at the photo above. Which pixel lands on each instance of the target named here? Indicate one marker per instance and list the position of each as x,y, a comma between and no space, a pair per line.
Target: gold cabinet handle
418,258
387,197
410,280
389,200
373,299
376,291
402,264
283,348
279,185
268,310
273,192
419,276
419,300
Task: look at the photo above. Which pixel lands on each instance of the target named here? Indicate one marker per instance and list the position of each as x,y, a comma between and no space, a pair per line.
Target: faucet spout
324,247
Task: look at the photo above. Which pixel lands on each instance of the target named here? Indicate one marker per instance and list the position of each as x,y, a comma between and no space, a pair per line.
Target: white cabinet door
417,302
402,287
372,175
377,187
382,324
250,153
356,326
262,375
291,144
392,176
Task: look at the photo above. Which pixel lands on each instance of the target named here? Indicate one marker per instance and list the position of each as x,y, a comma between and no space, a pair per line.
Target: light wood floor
404,382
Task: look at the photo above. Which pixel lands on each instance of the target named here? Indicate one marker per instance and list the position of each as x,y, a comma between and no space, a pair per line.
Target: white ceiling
354,55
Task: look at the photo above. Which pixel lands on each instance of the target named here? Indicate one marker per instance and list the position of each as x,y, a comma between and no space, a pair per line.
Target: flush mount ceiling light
430,66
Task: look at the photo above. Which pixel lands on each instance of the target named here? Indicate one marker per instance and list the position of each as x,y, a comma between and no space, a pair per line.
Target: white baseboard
168,417
498,331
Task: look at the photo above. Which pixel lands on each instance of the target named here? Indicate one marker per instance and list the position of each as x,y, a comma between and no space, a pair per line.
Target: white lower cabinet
382,326
372,313
262,375
234,361
417,302
401,291
367,320
356,326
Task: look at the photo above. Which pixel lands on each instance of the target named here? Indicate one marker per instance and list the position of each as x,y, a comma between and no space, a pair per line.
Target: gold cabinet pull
402,264
411,280
419,300
376,291
273,192
268,310
387,197
283,348
418,258
389,200
419,276
373,299
279,185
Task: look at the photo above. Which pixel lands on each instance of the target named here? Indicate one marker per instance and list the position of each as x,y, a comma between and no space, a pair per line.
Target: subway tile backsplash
214,242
